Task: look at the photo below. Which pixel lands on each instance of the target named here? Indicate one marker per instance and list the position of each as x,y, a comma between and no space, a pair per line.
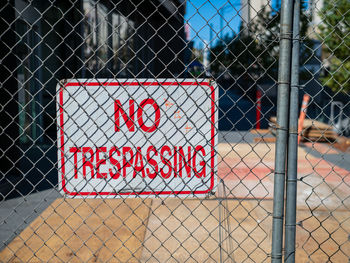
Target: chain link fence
153,131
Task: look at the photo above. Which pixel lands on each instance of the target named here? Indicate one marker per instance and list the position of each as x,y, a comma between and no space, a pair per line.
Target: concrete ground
235,229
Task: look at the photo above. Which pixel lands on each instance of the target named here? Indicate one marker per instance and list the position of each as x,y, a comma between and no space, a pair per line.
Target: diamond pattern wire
211,68
323,204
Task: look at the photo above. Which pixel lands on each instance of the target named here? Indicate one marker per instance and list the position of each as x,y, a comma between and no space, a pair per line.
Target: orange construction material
258,108
302,115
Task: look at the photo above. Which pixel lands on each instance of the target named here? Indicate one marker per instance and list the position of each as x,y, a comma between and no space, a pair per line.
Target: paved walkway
179,230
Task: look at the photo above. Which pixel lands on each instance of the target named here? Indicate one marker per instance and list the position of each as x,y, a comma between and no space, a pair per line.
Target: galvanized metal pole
282,127
220,224
292,164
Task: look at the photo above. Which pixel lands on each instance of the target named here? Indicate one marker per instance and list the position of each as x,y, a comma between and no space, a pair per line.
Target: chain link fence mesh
234,44
323,201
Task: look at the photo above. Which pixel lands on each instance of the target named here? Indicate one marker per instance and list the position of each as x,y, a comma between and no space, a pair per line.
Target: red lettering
99,162
114,162
175,162
152,162
201,163
129,121
87,162
75,150
187,164
140,114
132,161
141,167
165,161
127,163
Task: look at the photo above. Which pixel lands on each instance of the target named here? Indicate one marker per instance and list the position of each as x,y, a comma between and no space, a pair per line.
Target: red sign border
135,83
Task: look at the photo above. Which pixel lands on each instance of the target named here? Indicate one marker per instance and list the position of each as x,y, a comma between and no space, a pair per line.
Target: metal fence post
291,186
282,128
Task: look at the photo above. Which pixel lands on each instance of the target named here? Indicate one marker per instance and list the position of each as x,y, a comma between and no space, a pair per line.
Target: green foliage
254,51
335,35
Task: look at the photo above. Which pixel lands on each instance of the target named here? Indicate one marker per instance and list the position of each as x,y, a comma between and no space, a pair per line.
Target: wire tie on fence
63,82
297,86
281,128
290,224
294,132
288,36
292,180
280,173
279,39
278,256
282,82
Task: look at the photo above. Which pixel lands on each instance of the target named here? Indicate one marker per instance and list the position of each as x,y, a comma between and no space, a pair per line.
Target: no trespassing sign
119,137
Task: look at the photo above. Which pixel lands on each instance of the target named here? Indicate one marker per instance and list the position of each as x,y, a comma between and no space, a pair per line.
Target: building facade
43,43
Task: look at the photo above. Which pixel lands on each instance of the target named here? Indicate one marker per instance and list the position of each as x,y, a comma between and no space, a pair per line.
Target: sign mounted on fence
137,137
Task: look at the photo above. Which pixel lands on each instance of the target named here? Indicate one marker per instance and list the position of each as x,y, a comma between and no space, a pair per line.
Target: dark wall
8,97
58,53
160,41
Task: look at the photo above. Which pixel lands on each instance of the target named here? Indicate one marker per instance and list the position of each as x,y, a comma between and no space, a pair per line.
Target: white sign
137,137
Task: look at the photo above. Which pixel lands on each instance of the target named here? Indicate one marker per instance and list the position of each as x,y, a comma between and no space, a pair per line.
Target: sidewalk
179,230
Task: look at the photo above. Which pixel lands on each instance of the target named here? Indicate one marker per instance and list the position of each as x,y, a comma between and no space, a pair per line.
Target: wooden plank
314,131
314,134
266,140
309,123
342,144
318,132
310,131
261,131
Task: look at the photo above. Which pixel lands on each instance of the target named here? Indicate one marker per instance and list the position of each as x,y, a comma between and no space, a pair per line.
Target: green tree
335,35
254,51
251,51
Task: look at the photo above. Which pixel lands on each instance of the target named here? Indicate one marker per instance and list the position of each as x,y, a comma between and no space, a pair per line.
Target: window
109,43
123,44
28,71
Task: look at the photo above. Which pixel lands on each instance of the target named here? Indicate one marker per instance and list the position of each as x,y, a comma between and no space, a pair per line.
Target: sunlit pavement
323,196
179,230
